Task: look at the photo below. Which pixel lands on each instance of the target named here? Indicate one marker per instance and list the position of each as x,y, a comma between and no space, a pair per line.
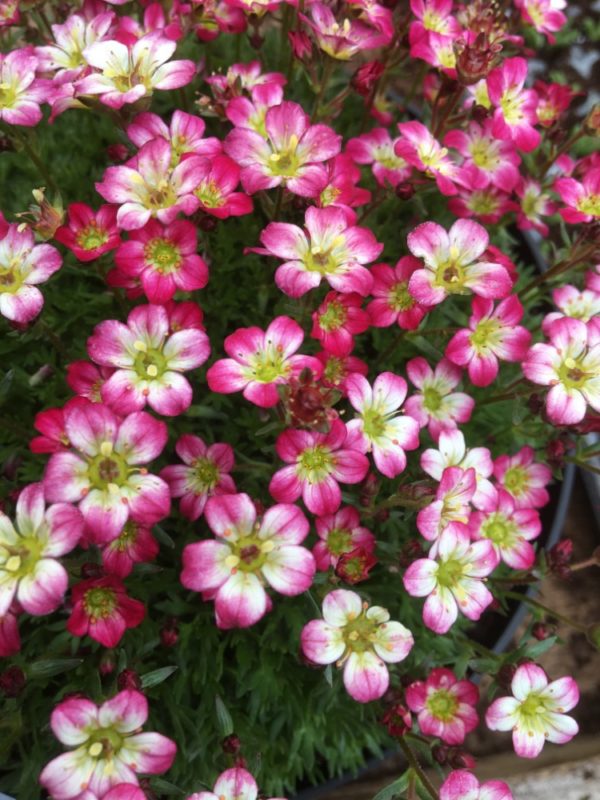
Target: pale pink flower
452,503
244,112
22,93
418,147
581,198
445,705
515,106
488,159
436,405
233,784
342,39
360,637
338,534
579,304
461,785
244,77
437,50
535,203
487,205
377,148
392,300
65,56
185,134
523,478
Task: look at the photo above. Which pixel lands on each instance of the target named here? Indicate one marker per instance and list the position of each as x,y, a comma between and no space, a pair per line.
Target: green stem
523,598
278,203
325,75
416,767
583,464
557,269
498,398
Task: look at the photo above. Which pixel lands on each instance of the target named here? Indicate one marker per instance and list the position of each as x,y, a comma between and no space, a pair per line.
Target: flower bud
460,759
440,754
405,190
397,720
107,663
354,566
169,637
117,153
12,681
476,59
301,45
540,631
128,679
591,123
559,557
91,570
366,77
505,675
410,552
231,744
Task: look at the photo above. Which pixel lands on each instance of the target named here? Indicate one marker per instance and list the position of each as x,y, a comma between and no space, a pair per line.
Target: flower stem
416,767
507,396
523,598
583,464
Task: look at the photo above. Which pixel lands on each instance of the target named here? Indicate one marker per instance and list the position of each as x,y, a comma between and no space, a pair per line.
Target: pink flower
360,637
451,504
10,641
488,159
437,50
570,365
379,427
185,134
377,148
493,334
433,15
523,479
571,302
337,320
23,265
338,534
553,100
461,785
421,150
329,247
515,107
245,113
341,188
217,178
445,706
452,263
247,554
103,611
64,57
488,205
204,472
86,379
244,77
135,544
103,471
125,74
342,39
317,463
164,259
261,361
545,15
453,580
393,302
22,92
534,204
51,424
148,361
110,749
582,199
336,369
30,571
233,784
436,405
89,234
291,154
536,712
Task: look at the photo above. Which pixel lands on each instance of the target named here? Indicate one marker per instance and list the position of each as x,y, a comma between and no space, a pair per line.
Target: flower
247,554
261,361
523,479
103,611
216,180
148,362
317,463
420,149
545,15
336,370
110,749
51,424
89,234
379,427
185,134
571,302
233,784
23,265
64,57
451,504
355,565
445,705
361,638
10,641
582,199
536,712
534,204
133,545
392,299
204,472
487,159
30,571
462,785
337,320
340,533
515,107
437,406
331,247
342,40
22,92
453,580
377,148
103,471
452,263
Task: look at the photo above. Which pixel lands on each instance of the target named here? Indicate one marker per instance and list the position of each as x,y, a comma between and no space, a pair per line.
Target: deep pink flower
247,554
22,92
582,199
86,379
338,534
185,134
204,472
420,149
217,178
393,302
545,15
377,148
103,611
244,77
336,370
10,641
260,361
89,234
445,705
437,50
436,405
51,425
487,205
360,637
452,501
553,100
433,15
341,189
523,478
244,112
515,106
462,785
135,544
337,320
317,463
488,159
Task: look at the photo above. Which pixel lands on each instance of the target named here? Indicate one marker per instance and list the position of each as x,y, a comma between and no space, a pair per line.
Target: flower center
91,237
126,538
442,705
99,603
333,317
23,557
449,572
511,103
485,334
590,205
249,553
285,163
399,297
315,464
323,260
533,706
450,276
515,480
483,201
161,196
149,363
10,277
206,474
485,154
573,374
8,95
107,468
104,743
432,399
359,634
374,424
162,255
268,365
499,529
339,540
210,195
335,371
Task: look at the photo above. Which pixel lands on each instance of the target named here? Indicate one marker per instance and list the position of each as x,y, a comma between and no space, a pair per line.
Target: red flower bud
460,759
117,153
397,720
404,191
365,77
505,675
559,557
301,45
128,679
540,631
440,754
231,745
91,570
107,663
12,681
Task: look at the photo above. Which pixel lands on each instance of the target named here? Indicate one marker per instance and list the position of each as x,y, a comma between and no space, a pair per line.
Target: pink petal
365,677
322,643
241,601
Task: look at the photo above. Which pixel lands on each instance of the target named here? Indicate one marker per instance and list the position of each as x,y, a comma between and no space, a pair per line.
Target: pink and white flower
64,57
86,379
330,247
185,134
148,362
135,544
392,299
489,160
452,503
445,705
342,39
433,15
104,472
452,264
103,611
204,472
110,748
582,198
341,189
250,113
260,361
419,148
337,321
462,785
510,529
436,405
535,203
360,637
30,571
88,233
515,106
22,93
523,478
571,302
454,579
317,463
377,148
340,533
217,178
536,711
379,427
246,555
233,784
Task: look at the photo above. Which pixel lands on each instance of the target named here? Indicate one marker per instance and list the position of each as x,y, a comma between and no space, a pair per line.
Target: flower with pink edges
110,748
217,178
185,134
86,379
260,361
317,464
291,154
204,472
582,199
336,370
553,100
546,16
22,92
452,503
452,264
244,77
337,321
88,233
23,266
536,711
572,302
514,106
453,581
233,784
488,205
341,189
436,405
330,247
510,529
419,148
360,637
379,427
104,471
523,478
570,364
246,555
433,15
493,333
535,203
129,29
64,56
148,362
437,50
462,785
392,301
345,38
340,533
244,112
445,706
122,791
488,159
30,571
10,641
377,148
164,259
134,545
51,425
103,610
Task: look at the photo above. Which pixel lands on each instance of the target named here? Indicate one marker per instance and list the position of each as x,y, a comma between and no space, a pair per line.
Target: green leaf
224,720
164,787
156,676
394,789
328,673
47,667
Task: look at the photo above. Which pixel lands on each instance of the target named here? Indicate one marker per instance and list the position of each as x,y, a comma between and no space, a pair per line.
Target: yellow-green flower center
315,464
163,255
442,705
